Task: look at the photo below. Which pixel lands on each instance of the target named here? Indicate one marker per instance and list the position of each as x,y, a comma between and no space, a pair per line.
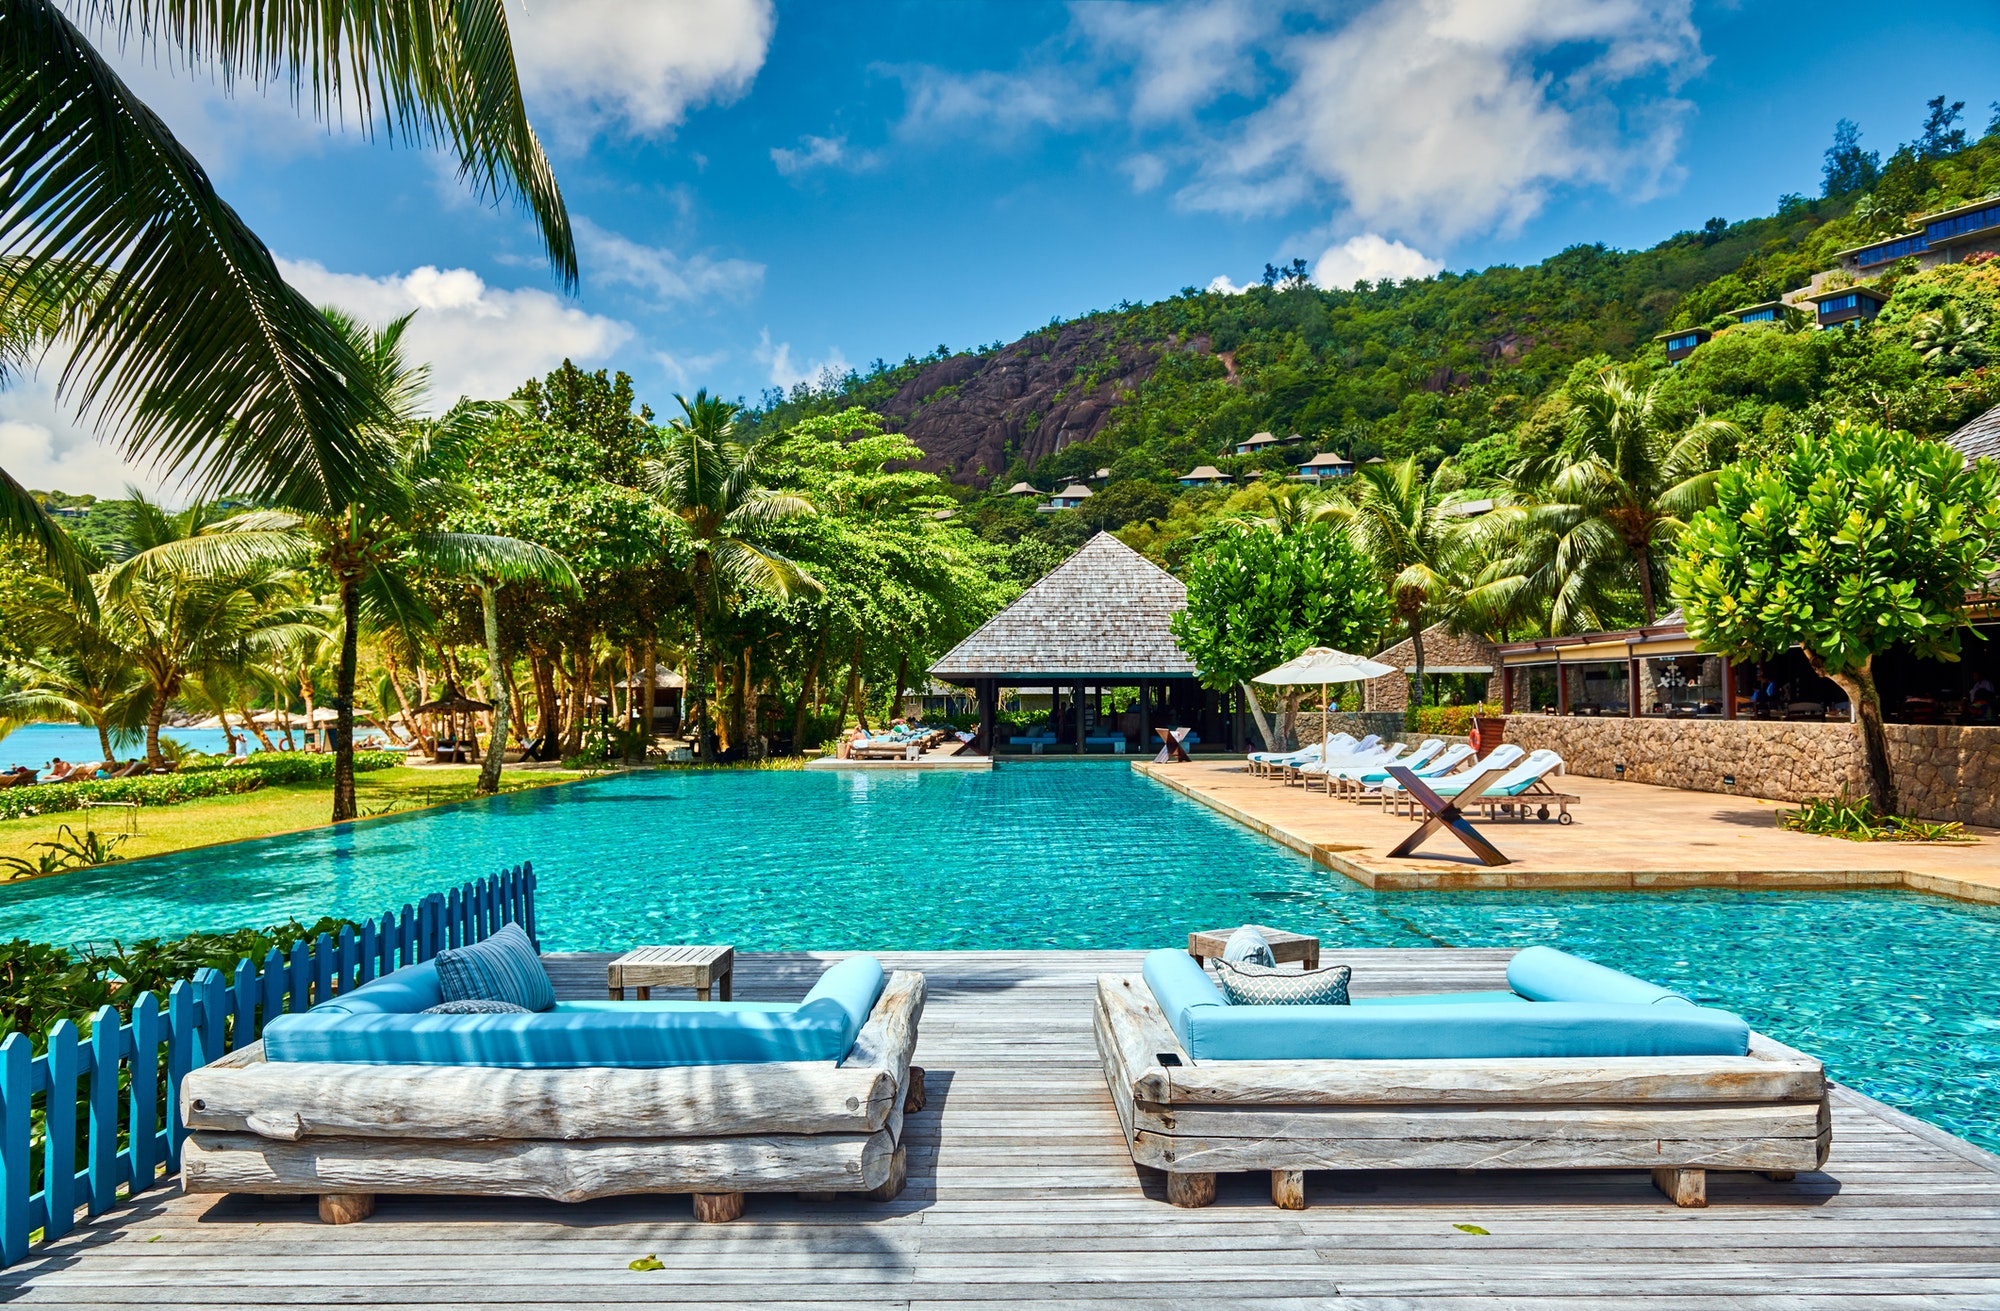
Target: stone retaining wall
1942,772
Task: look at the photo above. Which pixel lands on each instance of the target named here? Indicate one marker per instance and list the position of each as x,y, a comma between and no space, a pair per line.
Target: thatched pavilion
1097,623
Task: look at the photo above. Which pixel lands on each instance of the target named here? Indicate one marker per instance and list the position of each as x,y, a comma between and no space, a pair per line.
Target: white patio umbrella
1324,665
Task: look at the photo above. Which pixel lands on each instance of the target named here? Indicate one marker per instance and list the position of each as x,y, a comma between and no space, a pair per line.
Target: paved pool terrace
1625,836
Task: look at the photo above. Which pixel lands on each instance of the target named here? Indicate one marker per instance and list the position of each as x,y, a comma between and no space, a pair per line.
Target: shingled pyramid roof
1980,437
1104,611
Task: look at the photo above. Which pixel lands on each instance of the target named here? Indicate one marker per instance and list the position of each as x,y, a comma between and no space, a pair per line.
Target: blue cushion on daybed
1439,1026
379,1024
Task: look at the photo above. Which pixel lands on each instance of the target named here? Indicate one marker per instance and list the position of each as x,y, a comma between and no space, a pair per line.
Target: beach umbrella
212,722
1324,665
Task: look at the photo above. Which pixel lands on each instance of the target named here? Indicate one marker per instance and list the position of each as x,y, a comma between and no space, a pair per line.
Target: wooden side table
647,968
1285,946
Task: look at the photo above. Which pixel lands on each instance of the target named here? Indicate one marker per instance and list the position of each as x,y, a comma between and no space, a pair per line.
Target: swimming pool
1897,991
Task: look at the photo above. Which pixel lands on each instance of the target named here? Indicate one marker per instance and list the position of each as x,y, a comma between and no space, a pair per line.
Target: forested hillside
1459,363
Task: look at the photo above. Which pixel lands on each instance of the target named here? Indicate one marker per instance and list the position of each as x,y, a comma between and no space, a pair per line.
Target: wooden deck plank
1021,1194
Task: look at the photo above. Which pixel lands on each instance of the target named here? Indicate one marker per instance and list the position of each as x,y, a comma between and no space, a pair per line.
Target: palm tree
1950,340
79,673
33,312
369,544
172,620
180,329
709,480
1596,522
1413,532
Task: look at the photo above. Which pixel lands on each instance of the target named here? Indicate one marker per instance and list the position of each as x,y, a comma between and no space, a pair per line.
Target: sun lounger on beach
1366,784
1271,762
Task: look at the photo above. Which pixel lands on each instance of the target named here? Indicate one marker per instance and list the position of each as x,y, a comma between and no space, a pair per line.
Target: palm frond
428,71
756,569
502,559
194,347
23,517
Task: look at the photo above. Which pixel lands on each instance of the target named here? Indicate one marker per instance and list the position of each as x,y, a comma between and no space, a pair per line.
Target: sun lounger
1271,762
1382,756
1341,773
1503,756
1368,785
1526,788
1293,773
1573,1067
364,1095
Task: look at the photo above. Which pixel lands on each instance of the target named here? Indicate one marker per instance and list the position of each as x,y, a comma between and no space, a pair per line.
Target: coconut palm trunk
496,675
344,803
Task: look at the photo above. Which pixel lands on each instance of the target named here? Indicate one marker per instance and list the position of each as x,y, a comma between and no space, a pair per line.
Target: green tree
1413,532
1845,546
1258,598
713,483
1599,518
79,673
181,331
368,544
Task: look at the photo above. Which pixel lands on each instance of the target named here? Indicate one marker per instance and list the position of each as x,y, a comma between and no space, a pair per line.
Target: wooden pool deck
1625,835
1021,1194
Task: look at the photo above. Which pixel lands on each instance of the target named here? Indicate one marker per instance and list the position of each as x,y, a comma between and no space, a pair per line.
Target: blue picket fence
110,1085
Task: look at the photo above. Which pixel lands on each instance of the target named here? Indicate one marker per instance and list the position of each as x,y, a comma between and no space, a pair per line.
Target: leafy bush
1449,720
1838,817
41,983
200,777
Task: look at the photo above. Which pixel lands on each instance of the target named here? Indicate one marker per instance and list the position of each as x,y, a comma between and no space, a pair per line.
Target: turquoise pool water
1898,992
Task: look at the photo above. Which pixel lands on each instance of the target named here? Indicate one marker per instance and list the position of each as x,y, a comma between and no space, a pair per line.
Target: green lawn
278,809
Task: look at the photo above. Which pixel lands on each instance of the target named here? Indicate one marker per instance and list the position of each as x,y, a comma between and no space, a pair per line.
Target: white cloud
1221,284
687,370
1184,56
822,152
635,66
787,373
612,257
480,341
1450,116
1146,171
999,105
1372,257
44,446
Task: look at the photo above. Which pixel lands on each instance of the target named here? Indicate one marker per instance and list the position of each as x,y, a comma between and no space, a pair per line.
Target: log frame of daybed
1677,1116
348,1132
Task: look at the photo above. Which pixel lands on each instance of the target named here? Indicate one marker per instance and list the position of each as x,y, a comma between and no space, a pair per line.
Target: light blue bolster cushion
378,1024
1545,974
1437,1027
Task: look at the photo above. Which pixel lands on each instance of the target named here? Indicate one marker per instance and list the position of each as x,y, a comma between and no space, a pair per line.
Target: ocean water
1898,992
34,745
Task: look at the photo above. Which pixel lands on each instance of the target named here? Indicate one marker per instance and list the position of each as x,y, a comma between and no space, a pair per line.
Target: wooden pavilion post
988,689
1079,717
1145,715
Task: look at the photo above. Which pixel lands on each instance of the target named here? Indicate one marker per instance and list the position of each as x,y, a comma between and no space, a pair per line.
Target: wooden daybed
349,1132
1678,1116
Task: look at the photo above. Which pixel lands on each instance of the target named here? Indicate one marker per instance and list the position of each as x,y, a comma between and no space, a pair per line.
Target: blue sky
763,190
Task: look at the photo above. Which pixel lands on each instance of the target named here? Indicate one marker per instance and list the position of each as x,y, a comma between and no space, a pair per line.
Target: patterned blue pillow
502,968
476,1006
1246,984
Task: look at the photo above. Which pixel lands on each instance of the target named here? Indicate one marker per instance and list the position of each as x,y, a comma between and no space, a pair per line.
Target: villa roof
1024,489
1104,611
1261,439
1875,294
1074,489
1205,471
1326,457
1980,437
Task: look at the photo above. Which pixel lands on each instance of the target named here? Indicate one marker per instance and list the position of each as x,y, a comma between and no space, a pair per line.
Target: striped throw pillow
1266,985
502,968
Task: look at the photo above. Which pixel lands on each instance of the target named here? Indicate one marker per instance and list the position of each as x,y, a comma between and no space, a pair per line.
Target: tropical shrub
1846,546
1839,817
1447,720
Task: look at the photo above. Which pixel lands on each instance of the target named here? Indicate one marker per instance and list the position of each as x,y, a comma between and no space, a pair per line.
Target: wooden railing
116,1093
